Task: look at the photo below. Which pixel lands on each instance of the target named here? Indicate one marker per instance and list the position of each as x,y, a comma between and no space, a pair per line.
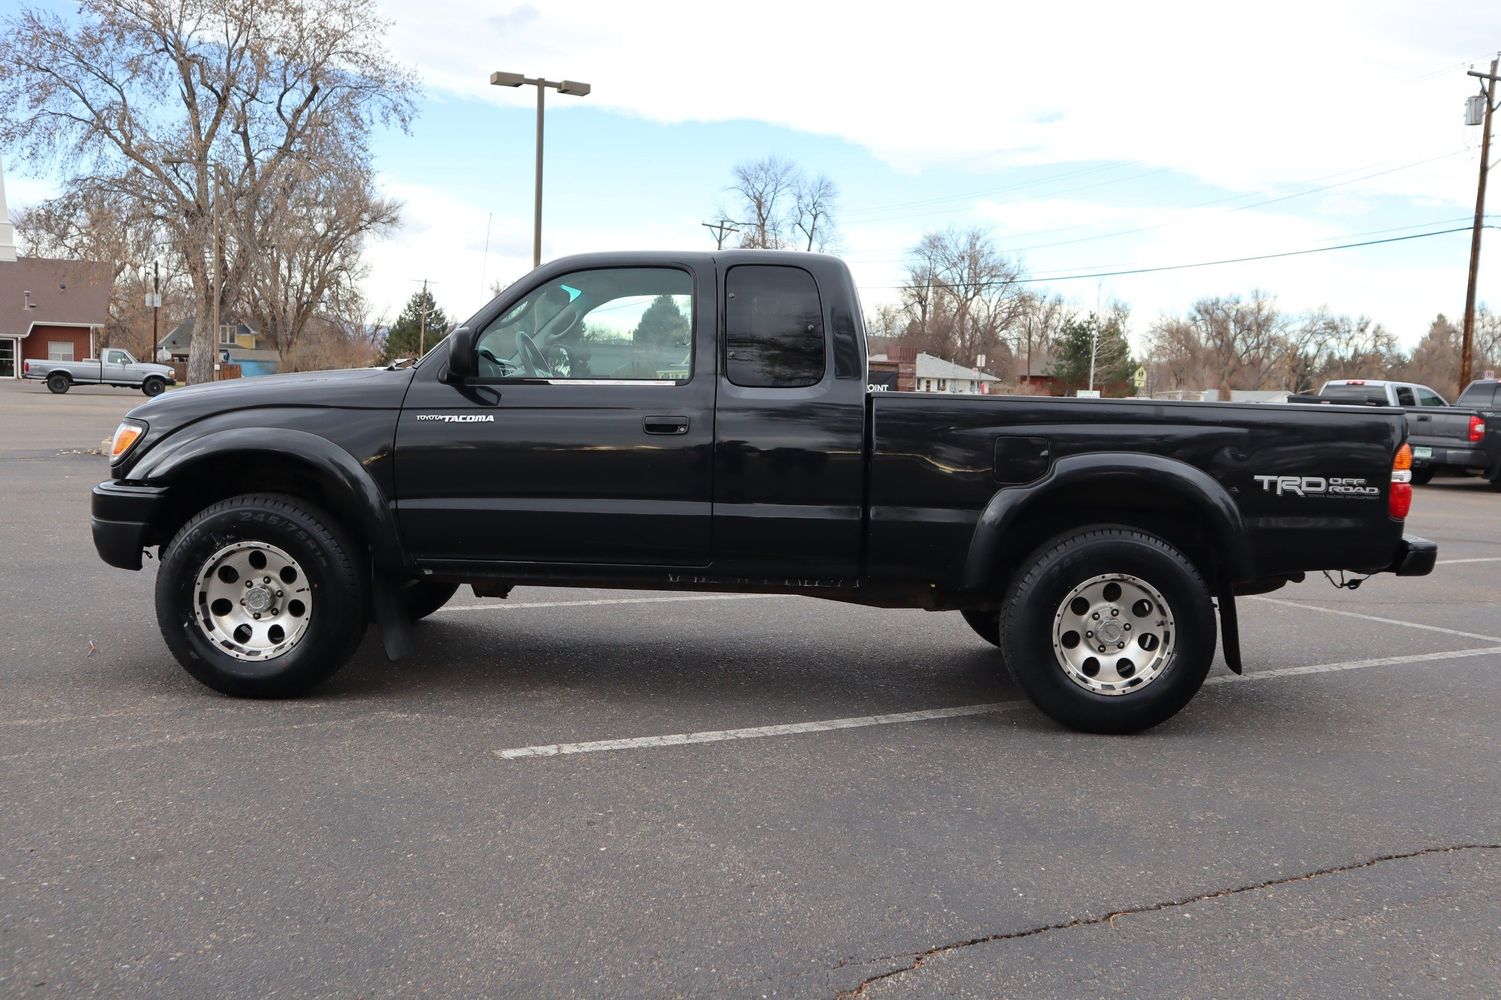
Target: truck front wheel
1108,630
153,385
261,596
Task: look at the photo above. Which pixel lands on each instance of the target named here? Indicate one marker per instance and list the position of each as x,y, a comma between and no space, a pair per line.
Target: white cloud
1241,96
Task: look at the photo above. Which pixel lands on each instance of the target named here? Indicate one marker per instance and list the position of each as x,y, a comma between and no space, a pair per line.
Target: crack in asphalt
921,957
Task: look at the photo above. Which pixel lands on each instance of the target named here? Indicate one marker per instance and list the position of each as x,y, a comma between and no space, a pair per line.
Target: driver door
587,437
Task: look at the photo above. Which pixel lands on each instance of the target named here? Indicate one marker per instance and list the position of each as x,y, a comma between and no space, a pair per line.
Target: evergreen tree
403,339
1105,338
662,325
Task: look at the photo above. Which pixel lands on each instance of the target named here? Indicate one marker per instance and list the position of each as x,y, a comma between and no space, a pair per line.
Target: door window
1404,396
773,327
1427,397
627,324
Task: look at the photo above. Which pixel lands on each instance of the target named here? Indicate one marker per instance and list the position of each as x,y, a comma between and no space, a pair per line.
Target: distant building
239,344
930,374
50,310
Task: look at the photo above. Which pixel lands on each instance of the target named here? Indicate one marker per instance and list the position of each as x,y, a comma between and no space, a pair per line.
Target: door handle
1425,418
665,425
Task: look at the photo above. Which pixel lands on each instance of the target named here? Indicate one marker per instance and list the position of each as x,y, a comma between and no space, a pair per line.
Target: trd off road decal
458,418
1316,486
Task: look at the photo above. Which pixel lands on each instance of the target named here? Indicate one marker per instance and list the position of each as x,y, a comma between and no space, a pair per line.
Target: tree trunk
203,351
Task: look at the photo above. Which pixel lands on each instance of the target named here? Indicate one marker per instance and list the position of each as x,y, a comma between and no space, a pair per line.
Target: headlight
126,436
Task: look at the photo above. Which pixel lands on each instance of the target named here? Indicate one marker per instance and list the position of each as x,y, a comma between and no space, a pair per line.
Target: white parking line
1375,618
608,600
721,735
1456,562
861,721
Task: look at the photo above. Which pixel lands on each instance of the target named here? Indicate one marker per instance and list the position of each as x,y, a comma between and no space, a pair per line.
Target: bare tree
1227,342
93,223
195,111
764,188
312,233
961,297
813,210
1040,321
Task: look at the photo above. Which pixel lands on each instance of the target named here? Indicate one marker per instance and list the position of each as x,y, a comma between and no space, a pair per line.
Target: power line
1181,267
1198,205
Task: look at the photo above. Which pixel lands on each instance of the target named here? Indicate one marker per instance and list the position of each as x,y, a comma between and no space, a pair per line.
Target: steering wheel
531,357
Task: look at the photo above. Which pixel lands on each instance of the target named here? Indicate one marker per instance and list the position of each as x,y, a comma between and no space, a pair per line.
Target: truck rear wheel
261,596
1108,630
59,383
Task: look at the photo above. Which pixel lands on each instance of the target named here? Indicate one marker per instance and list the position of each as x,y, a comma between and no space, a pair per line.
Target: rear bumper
1414,557
123,515
1458,458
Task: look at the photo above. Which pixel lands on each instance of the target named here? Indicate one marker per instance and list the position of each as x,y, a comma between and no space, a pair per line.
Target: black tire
1496,482
335,579
154,386
1422,477
59,383
987,624
422,597
1035,600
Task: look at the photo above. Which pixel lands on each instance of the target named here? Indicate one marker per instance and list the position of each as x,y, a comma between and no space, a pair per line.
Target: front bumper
123,516
1414,557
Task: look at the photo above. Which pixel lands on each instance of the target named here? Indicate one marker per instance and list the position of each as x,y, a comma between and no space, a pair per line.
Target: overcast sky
1087,137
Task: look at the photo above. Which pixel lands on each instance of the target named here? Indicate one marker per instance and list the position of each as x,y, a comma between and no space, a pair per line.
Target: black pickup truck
703,422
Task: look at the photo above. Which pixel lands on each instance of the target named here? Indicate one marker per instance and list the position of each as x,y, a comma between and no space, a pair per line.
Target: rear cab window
1356,395
1480,394
774,330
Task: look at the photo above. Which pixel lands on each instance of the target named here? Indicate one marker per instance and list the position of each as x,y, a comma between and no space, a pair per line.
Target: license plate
1422,453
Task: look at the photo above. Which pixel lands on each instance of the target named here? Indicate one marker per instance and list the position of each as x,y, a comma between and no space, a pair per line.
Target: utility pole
1489,89
156,304
422,315
721,230
218,269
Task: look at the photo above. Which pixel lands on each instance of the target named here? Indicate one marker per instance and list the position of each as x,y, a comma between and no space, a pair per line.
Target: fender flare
336,469
1157,472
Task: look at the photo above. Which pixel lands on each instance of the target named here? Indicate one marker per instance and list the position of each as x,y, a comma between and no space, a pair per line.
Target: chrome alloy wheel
254,601
1113,634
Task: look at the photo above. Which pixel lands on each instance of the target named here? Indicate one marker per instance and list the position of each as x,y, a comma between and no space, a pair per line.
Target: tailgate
1442,427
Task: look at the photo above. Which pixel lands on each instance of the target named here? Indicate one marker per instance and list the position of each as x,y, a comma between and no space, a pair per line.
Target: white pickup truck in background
115,366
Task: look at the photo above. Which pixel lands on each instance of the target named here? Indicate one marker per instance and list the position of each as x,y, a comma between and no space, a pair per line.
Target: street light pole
571,87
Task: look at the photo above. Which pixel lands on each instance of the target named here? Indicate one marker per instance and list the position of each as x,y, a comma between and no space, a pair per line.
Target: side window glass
1427,397
774,335
1404,396
631,324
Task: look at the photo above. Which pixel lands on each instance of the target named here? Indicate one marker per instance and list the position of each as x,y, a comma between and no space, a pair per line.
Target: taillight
1399,502
1477,428
25,367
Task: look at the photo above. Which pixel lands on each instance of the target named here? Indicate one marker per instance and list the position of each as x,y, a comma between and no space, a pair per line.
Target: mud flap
1229,630
395,626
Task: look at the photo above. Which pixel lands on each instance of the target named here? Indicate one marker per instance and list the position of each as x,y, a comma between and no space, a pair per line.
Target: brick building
49,309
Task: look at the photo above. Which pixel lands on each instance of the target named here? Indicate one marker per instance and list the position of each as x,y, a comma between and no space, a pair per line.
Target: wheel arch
203,470
1160,495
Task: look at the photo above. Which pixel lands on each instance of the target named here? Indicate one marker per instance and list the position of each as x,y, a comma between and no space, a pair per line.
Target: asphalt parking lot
599,793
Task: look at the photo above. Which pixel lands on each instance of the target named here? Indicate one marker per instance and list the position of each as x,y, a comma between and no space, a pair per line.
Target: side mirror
461,355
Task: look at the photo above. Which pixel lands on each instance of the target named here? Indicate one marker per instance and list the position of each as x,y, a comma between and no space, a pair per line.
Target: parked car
714,431
1461,439
114,366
